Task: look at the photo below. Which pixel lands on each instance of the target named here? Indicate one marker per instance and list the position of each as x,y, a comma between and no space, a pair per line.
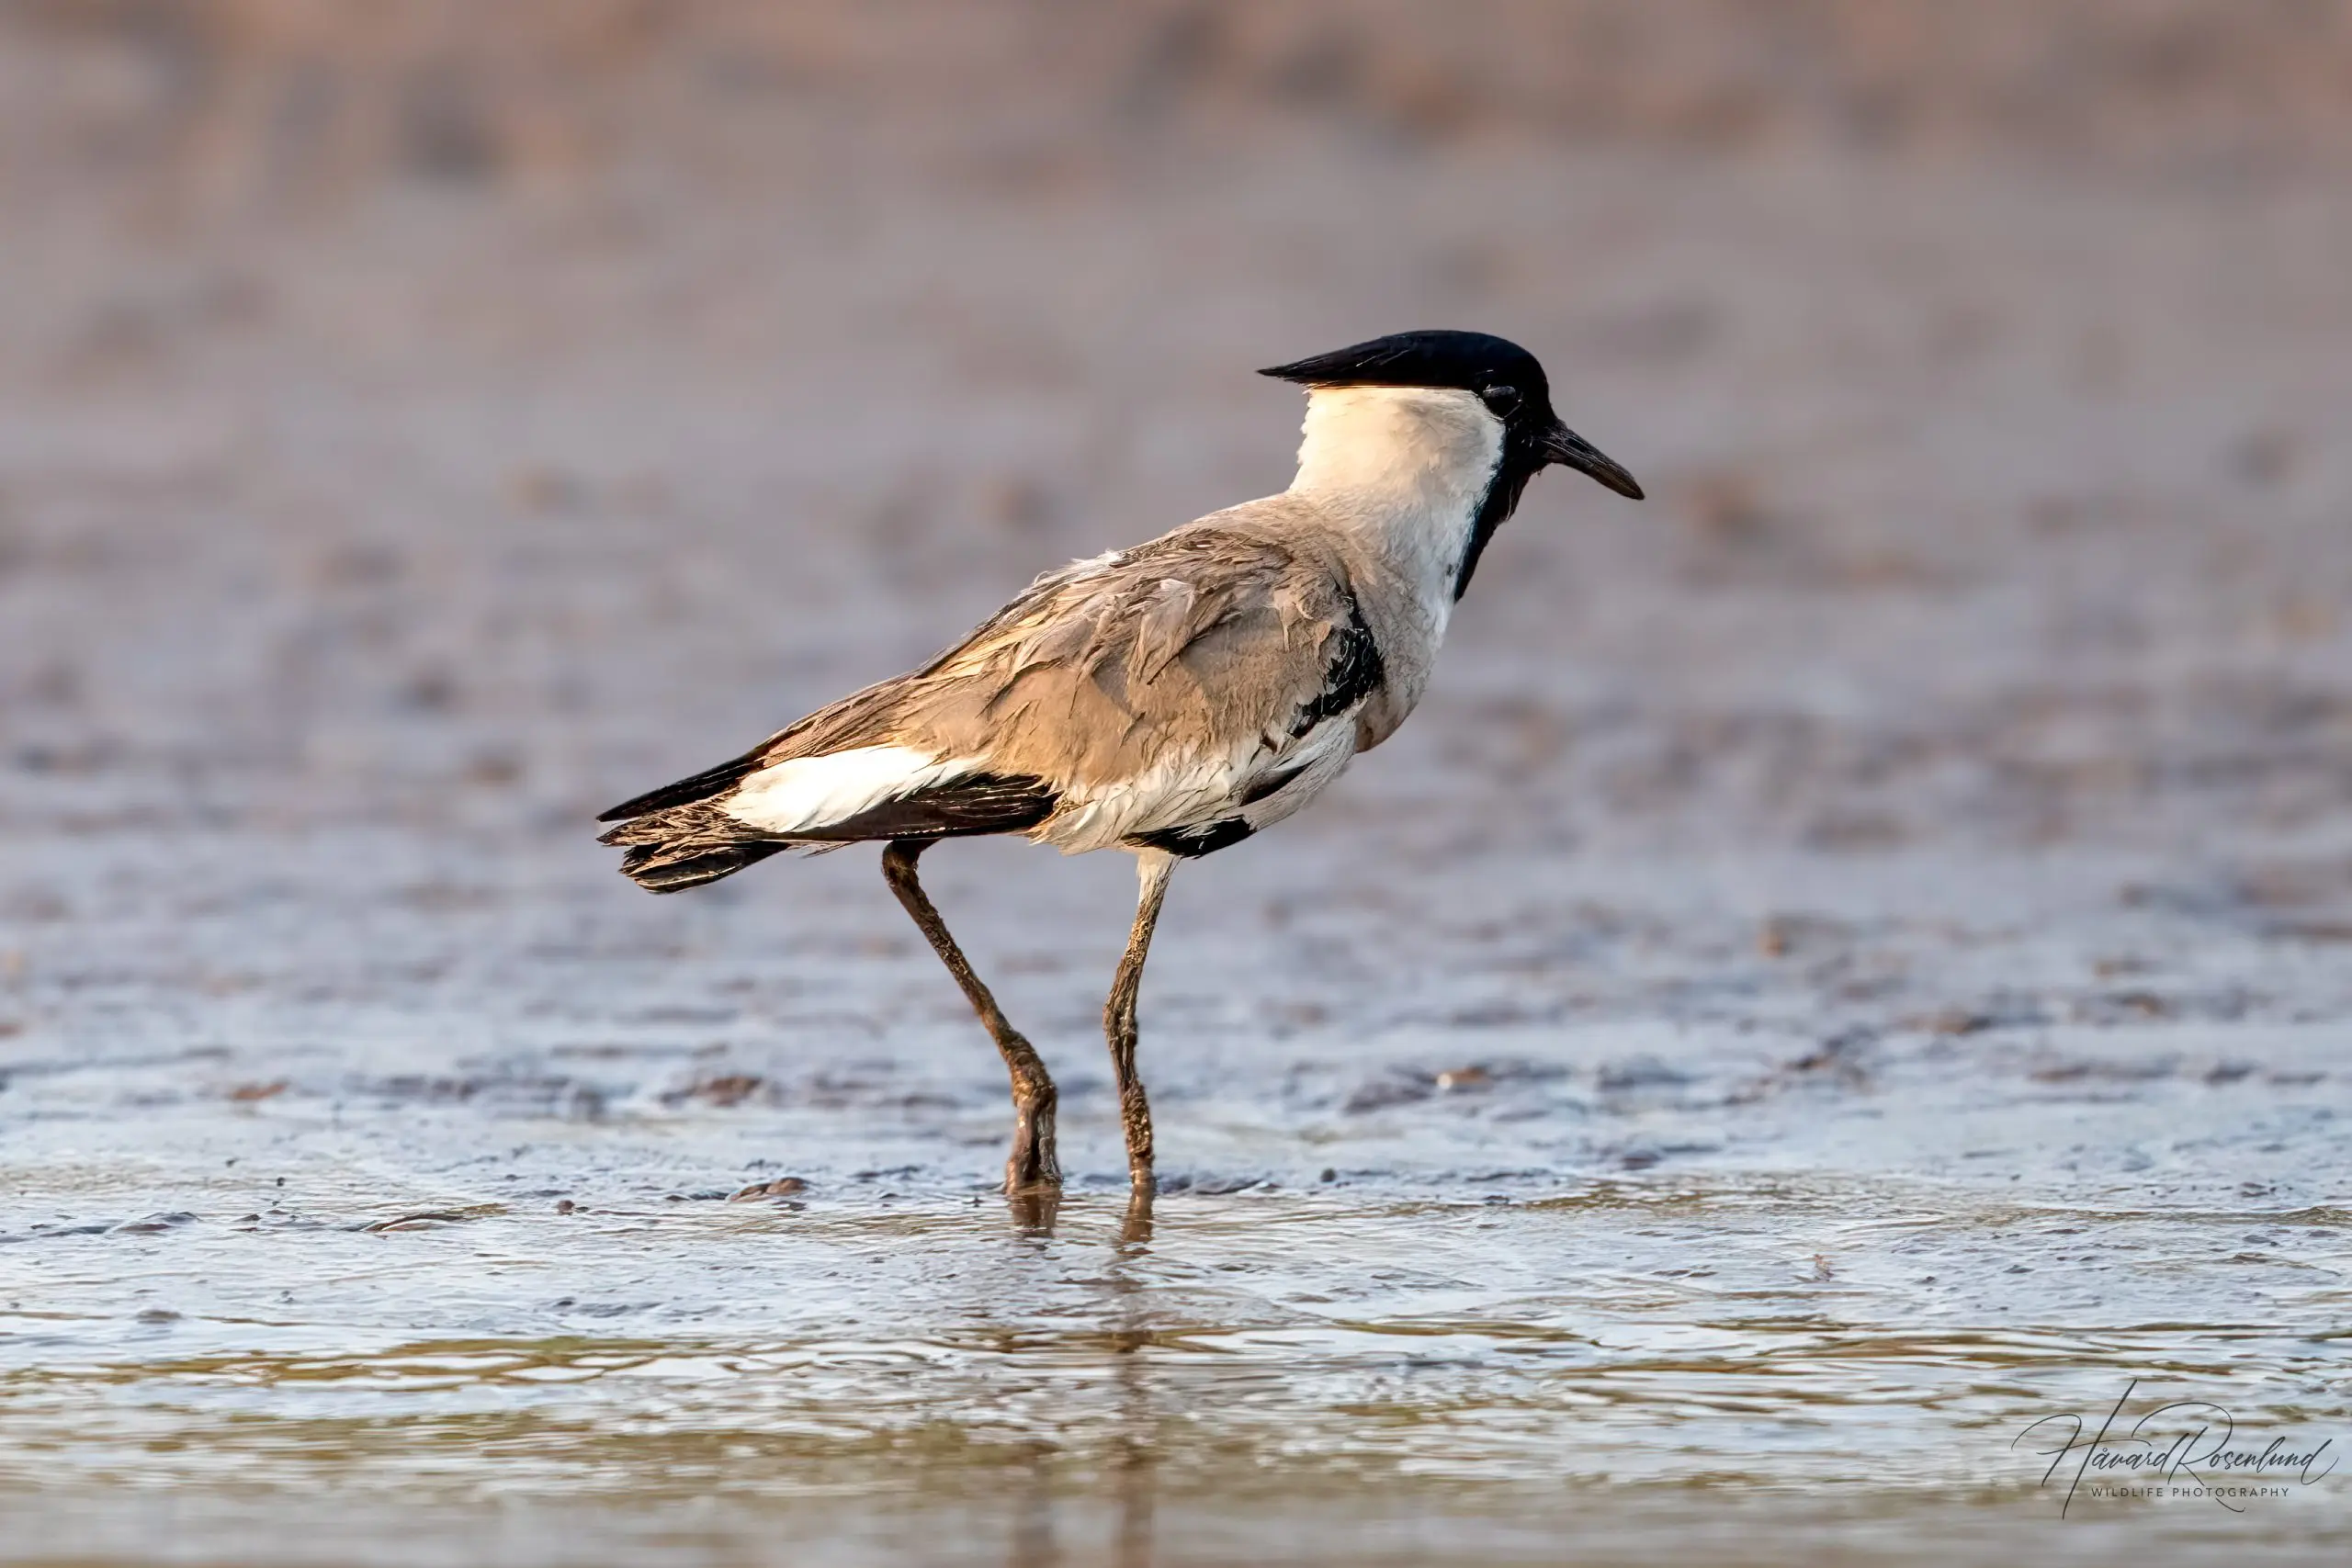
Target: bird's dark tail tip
662,868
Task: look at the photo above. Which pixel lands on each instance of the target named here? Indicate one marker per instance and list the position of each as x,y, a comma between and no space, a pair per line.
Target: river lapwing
1169,700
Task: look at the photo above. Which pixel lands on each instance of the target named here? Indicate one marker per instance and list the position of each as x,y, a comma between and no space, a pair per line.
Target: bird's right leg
1152,867
1033,1163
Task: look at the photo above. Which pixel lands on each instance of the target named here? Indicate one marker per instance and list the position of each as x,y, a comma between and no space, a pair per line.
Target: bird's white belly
1326,751
1197,794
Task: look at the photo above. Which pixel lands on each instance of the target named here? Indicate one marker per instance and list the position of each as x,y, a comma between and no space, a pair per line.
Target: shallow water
1668,1332
1818,1290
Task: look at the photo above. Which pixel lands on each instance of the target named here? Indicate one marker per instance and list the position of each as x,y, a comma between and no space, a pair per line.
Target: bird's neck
1403,471
1424,450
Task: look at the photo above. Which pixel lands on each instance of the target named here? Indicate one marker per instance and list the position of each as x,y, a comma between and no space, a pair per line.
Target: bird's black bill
1565,445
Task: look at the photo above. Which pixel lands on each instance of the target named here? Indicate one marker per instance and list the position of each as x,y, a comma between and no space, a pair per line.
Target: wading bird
1169,700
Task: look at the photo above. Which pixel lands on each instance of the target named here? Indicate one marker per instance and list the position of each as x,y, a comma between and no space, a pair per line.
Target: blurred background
449,414
422,425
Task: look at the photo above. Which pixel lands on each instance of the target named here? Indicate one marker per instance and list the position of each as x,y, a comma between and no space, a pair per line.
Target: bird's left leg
1032,1166
1153,868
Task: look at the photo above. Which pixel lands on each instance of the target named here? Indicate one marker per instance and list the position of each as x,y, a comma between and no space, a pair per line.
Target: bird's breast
1406,600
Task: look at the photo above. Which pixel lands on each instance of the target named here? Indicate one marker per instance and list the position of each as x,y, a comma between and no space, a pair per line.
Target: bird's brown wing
1211,642
1159,688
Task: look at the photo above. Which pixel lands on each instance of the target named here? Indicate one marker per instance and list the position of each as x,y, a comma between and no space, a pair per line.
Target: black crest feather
1470,361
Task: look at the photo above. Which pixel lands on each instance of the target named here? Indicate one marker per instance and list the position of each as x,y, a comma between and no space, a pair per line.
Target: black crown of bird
1170,699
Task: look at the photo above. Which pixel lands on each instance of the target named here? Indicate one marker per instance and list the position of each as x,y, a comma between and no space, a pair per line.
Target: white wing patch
805,793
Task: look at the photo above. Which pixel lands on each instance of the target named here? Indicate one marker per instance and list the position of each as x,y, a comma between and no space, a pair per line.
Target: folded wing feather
1116,697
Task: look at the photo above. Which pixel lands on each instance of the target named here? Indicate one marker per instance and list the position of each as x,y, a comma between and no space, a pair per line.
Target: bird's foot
1032,1166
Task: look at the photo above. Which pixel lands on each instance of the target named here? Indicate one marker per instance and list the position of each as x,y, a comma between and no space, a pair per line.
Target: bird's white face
1404,469
1418,445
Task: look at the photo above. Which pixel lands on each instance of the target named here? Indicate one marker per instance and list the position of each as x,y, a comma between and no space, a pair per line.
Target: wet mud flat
1468,1265
1850,961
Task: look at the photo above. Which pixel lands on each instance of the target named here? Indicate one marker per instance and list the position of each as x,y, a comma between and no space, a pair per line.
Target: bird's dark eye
1500,400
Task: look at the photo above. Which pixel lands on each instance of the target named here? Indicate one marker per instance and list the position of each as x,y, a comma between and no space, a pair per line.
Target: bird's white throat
1405,469
1423,448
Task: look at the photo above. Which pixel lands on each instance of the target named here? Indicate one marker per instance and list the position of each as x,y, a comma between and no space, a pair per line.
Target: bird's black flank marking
1353,672
1194,842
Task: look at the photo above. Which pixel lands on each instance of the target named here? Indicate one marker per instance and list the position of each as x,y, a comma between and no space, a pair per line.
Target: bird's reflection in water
1126,1313
1135,1450
1035,1210
1134,1229
1033,1544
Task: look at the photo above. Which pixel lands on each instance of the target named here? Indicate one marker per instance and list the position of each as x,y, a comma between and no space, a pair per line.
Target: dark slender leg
1033,1163
1119,1016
